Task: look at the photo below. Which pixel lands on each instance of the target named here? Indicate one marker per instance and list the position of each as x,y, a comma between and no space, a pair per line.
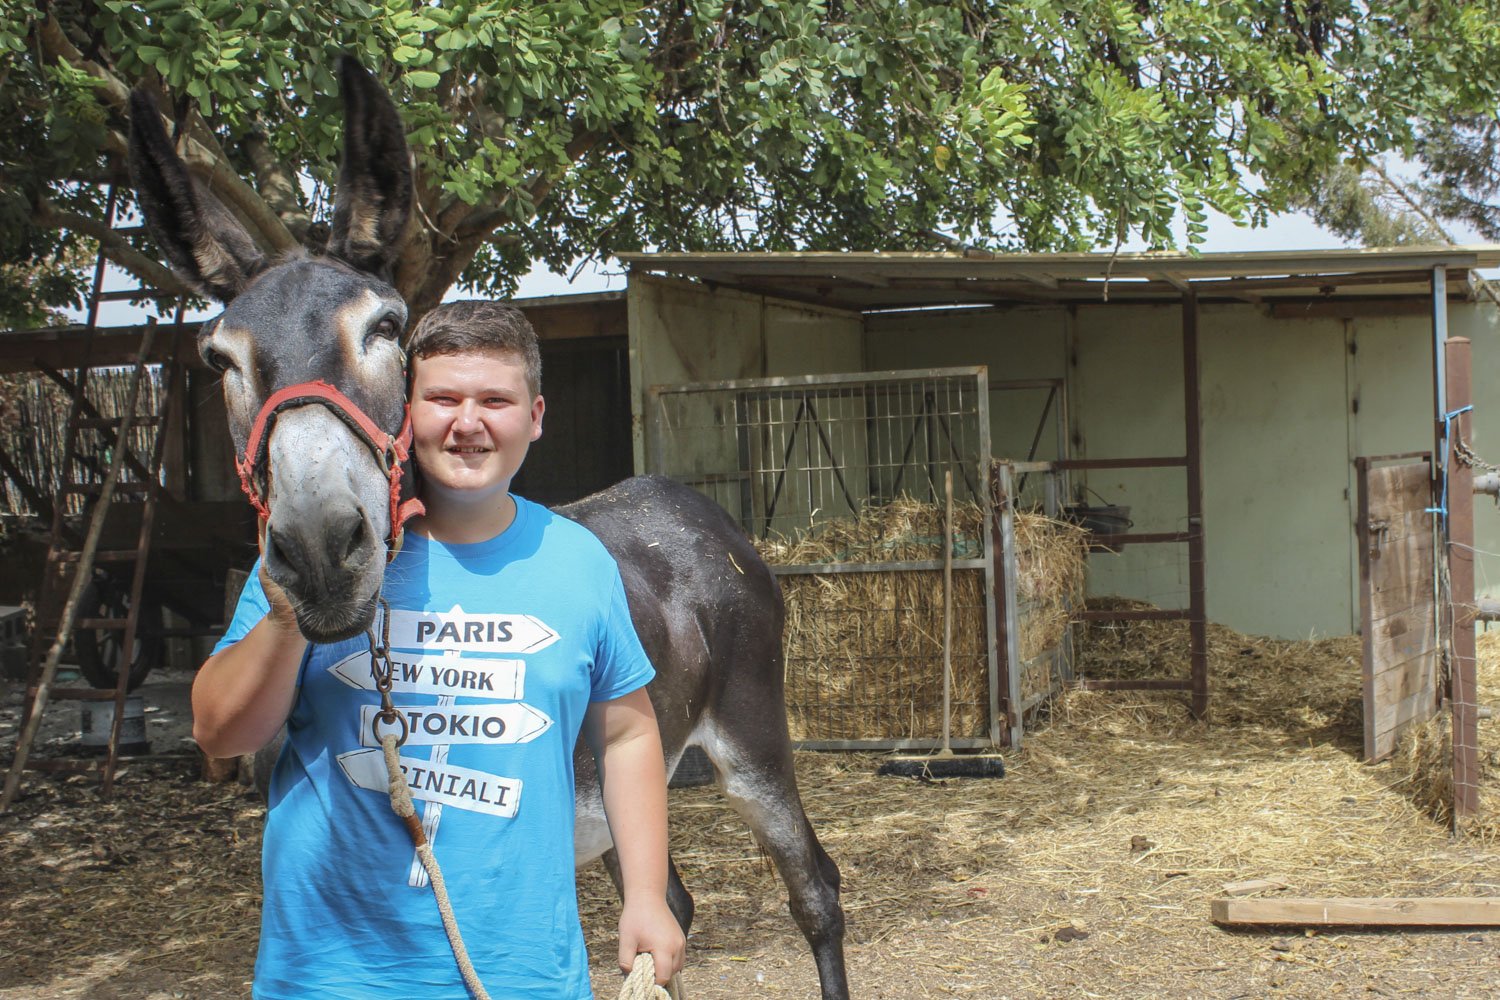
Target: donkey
706,608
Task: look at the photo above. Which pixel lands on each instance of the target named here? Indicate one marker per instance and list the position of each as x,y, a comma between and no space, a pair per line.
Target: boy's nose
467,418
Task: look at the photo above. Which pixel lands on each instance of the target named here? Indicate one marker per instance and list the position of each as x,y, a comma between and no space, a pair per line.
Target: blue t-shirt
498,648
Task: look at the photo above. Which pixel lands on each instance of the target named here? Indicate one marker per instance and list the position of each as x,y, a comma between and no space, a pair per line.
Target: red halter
390,452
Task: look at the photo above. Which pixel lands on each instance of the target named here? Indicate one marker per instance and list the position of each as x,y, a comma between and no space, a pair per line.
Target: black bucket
1107,519
98,716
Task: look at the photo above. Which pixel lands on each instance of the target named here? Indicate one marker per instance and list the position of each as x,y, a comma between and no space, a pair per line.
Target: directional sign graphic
460,787
433,725
469,633
439,675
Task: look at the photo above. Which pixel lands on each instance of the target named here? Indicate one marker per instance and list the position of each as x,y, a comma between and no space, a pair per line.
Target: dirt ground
1086,872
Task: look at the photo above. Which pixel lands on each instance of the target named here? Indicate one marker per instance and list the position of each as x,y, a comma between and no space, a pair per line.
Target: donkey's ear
375,187
204,243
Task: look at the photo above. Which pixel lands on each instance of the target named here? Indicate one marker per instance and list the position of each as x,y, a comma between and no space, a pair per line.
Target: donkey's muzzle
320,563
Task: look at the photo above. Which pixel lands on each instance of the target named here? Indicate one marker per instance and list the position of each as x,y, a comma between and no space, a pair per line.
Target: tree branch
278,186
1476,282
115,248
481,222
223,181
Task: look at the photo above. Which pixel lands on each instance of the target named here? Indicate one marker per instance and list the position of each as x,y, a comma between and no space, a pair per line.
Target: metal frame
656,462
1196,613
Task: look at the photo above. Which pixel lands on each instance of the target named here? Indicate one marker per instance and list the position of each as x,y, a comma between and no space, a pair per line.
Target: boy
510,634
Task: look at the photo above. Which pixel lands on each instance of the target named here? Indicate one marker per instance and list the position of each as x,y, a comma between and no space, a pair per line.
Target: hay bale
1051,571
864,654
1301,686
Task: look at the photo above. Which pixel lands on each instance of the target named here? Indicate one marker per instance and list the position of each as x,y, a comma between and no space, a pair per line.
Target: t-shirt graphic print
433,654
497,649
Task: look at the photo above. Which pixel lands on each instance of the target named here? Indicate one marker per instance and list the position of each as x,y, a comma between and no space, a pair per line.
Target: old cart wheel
98,650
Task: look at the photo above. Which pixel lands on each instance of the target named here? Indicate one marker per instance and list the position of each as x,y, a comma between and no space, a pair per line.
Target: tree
1456,191
560,129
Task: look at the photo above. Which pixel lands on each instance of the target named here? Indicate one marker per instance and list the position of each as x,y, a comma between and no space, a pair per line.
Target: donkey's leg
679,900
755,772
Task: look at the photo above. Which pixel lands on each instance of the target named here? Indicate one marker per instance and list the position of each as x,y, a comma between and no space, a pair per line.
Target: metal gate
1397,597
825,457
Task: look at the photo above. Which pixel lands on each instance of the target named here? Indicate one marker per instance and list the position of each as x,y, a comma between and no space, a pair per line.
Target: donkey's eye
389,327
217,360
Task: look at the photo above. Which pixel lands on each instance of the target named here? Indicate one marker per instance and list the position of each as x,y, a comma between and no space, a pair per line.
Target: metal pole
1460,502
1439,364
1192,418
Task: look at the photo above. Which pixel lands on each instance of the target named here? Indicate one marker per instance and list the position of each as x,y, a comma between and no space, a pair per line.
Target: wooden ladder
71,558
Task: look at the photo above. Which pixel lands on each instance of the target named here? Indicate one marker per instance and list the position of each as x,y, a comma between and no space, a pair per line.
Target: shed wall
682,331
1287,406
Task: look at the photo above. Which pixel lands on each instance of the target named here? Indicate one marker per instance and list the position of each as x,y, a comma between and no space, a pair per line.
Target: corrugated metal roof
870,281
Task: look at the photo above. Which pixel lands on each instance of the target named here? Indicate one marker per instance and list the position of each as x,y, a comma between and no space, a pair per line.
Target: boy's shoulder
556,529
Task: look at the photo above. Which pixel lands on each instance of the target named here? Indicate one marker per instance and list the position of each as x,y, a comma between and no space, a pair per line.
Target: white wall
1287,405
684,332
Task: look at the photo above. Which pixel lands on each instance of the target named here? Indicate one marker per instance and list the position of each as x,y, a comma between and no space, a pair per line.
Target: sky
1285,232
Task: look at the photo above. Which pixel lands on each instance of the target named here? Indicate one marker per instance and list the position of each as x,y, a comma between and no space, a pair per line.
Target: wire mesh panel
839,479
1043,568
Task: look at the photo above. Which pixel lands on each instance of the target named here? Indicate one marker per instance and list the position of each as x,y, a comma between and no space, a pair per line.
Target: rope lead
401,805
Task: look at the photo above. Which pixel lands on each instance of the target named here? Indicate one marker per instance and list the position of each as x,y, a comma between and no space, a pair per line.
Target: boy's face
472,418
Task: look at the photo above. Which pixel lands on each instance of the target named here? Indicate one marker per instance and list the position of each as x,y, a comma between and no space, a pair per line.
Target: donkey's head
295,320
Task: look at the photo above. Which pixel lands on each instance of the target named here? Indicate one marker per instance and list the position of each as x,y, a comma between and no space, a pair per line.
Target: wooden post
1460,543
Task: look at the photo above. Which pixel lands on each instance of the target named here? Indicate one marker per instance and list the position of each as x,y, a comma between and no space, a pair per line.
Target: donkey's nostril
282,558
356,541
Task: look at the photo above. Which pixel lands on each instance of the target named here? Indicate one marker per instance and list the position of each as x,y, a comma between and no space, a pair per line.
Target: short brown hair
474,325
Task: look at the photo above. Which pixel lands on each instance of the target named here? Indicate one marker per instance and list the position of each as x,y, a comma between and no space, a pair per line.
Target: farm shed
1305,362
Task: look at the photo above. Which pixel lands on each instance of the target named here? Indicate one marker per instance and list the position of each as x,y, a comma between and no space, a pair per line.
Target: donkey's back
706,607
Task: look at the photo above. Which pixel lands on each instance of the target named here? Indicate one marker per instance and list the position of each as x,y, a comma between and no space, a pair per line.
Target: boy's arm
626,743
243,693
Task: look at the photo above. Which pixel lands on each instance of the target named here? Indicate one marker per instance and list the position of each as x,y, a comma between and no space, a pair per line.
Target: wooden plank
66,346
1397,489
1405,591
1400,681
1393,719
1452,911
1399,524
1400,635
1250,885
1398,610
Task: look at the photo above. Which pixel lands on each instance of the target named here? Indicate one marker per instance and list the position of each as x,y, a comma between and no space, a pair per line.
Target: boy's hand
281,614
650,926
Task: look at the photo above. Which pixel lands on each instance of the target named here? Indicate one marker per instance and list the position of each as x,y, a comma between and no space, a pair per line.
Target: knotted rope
641,983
